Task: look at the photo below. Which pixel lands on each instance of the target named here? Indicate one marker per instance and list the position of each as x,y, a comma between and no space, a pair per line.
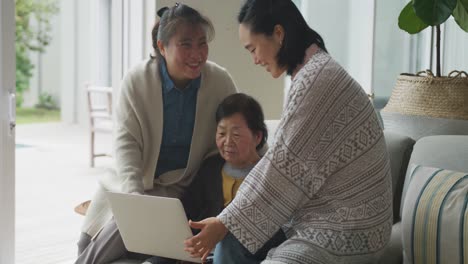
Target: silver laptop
152,225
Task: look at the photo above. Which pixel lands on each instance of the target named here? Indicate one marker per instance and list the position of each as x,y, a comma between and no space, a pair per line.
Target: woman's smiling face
185,54
264,49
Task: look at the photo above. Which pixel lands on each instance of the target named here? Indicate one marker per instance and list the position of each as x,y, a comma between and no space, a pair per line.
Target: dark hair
249,108
172,18
261,16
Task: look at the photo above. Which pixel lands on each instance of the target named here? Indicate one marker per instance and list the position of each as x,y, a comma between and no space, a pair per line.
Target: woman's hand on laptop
212,231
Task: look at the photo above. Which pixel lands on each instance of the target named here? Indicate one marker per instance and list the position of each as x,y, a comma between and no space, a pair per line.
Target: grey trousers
106,247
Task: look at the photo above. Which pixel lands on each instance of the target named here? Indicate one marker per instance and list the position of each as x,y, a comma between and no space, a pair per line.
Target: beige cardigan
138,135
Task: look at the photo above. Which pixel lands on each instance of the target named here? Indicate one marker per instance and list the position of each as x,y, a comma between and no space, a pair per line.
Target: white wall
7,138
227,51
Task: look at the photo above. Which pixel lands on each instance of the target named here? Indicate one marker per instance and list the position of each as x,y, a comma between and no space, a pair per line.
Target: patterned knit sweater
326,178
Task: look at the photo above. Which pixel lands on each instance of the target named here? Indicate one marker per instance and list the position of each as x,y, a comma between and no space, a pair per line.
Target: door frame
7,135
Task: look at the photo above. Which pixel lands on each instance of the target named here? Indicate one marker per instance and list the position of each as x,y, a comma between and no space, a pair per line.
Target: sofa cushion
434,219
448,152
399,149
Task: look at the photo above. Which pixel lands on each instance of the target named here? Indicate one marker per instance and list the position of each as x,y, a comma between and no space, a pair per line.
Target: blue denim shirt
179,107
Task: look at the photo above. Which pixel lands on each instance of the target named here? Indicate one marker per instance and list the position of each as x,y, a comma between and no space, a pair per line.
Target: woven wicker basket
424,94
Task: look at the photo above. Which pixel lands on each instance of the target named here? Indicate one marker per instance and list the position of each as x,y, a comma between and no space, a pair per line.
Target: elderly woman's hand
212,231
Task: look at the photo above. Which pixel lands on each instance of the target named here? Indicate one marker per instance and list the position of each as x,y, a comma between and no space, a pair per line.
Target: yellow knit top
230,187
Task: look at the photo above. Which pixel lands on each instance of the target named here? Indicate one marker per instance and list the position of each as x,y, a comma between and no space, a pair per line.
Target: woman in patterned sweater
326,178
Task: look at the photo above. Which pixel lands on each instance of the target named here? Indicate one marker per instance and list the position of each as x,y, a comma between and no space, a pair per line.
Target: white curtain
455,48
132,22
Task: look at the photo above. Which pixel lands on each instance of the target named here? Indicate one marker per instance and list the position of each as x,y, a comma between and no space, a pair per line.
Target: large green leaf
409,21
461,16
464,3
434,12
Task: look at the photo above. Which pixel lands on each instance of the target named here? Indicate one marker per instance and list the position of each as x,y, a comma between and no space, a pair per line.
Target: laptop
152,225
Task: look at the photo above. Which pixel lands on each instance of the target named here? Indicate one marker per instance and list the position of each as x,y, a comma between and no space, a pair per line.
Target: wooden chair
100,115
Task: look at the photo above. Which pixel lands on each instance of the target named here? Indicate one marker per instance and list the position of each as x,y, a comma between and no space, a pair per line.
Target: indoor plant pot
421,103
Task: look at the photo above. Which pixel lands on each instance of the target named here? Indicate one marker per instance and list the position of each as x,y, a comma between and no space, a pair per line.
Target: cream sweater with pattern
326,178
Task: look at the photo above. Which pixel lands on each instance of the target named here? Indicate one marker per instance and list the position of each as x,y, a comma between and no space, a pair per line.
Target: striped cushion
435,219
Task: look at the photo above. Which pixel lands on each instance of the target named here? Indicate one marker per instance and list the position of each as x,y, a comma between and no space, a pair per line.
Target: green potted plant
420,14
424,94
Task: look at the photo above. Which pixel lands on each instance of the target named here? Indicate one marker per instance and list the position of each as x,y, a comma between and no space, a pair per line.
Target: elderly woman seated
240,137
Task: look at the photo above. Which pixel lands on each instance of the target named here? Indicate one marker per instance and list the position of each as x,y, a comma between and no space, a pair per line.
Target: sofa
448,152
439,151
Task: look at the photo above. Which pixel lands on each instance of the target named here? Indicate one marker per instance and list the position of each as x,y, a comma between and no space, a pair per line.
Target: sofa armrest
399,148
445,152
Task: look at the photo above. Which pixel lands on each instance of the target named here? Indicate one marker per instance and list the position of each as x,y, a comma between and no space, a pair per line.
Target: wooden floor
52,176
